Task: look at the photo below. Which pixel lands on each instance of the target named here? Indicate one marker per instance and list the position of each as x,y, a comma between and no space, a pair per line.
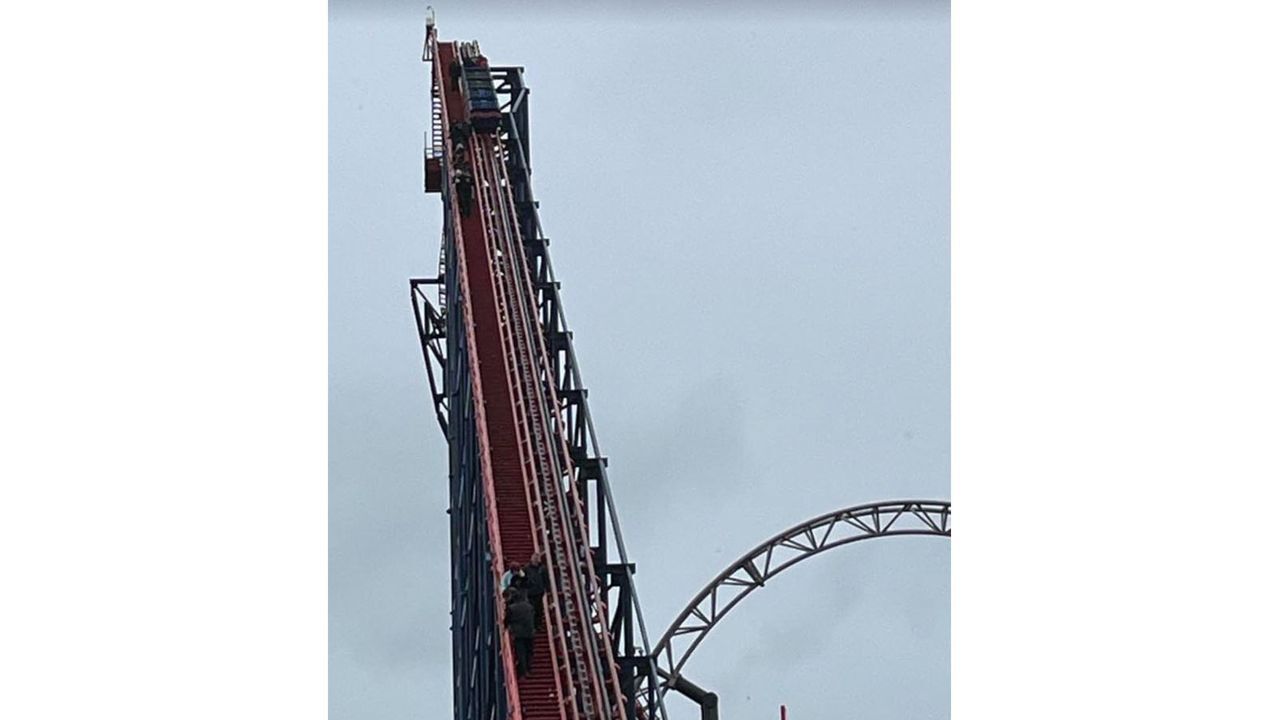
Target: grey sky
749,213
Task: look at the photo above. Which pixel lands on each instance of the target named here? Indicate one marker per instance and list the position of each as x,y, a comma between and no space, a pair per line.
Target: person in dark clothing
536,583
519,621
458,133
455,72
462,180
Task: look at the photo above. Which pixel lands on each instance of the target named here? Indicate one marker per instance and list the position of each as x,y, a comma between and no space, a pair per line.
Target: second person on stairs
520,622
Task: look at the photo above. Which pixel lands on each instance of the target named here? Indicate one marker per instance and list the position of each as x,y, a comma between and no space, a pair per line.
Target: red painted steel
594,614
524,517
482,393
571,582
523,458
530,499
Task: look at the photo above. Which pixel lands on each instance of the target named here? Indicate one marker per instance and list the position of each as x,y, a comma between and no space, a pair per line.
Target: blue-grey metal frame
477,656
479,684
615,573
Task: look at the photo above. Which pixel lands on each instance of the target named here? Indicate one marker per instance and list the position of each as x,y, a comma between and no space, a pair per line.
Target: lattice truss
753,570
432,335
569,416
645,675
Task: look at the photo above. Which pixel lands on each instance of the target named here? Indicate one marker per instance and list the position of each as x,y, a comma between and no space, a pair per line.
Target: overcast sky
749,214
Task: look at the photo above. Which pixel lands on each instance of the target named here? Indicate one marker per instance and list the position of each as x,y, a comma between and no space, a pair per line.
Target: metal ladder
437,122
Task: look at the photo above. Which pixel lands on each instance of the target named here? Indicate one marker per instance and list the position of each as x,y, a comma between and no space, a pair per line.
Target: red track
524,459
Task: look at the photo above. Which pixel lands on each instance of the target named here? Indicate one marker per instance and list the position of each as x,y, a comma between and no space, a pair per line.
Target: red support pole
783,708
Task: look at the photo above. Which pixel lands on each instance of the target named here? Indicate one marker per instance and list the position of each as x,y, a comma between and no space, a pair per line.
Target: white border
1115,393
163,519
1114,359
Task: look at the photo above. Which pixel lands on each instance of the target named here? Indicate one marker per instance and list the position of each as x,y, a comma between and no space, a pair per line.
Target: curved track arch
752,570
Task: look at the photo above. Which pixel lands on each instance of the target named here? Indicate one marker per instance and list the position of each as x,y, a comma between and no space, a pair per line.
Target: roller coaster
526,474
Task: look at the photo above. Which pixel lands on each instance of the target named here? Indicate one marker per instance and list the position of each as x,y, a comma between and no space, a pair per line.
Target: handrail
546,523
510,683
539,404
561,460
614,522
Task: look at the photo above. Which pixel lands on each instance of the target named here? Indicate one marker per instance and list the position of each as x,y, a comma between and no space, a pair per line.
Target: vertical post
711,707
783,708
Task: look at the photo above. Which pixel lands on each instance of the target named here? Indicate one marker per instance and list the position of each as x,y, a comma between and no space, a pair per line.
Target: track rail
530,502
766,560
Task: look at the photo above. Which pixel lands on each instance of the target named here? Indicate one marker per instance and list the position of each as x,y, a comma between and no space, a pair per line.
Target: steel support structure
750,572
615,573
526,471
